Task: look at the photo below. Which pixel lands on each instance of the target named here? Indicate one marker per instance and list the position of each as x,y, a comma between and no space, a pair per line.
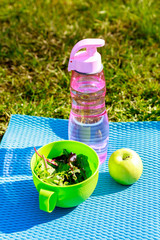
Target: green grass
36,39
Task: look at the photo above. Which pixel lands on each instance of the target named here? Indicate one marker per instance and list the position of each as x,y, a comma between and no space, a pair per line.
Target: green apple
125,166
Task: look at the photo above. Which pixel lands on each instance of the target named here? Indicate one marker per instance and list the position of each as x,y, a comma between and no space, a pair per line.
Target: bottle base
102,157
95,135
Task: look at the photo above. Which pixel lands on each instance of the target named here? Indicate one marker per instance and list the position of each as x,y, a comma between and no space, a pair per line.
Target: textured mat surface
113,211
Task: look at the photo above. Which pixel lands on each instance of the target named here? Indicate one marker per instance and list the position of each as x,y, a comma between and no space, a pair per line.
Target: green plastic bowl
71,195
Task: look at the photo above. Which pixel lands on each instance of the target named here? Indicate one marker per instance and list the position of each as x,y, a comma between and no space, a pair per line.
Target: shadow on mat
19,209
106,185
59,128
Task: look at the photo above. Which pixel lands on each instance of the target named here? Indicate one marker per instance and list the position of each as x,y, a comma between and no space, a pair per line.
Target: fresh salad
66,169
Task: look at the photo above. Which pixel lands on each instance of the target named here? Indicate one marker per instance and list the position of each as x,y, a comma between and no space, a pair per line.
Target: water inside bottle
88,121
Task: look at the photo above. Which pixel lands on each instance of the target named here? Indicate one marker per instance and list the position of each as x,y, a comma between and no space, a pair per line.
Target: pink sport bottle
88,122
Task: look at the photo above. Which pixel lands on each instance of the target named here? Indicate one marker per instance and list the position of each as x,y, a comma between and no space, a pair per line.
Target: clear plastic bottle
88,122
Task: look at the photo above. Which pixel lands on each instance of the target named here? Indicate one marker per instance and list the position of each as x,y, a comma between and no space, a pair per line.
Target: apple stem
126,157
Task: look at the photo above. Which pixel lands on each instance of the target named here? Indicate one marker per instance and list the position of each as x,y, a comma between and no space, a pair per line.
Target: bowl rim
66,186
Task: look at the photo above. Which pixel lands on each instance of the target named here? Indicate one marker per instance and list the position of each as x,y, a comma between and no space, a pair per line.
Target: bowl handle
47,200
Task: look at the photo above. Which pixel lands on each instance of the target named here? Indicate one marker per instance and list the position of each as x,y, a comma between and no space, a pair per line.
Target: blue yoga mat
113,211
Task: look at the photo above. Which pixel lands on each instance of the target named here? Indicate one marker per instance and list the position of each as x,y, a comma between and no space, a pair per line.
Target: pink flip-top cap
88,61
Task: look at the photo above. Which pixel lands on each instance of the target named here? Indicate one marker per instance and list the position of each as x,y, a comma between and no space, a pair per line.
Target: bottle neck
81,73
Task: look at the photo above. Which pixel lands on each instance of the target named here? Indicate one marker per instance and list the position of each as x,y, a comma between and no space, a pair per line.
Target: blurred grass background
36,38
